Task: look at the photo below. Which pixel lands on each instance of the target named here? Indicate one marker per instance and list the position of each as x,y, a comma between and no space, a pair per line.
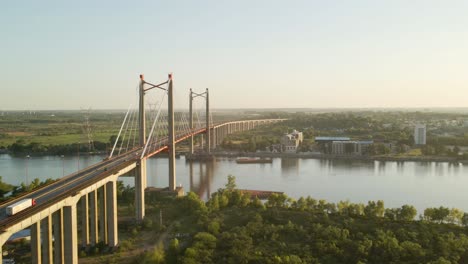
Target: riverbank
306,155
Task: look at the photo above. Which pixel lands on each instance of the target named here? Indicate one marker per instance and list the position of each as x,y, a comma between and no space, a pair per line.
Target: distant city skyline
250,54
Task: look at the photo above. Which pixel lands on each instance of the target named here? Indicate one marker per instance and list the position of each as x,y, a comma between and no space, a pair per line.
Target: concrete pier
93,218
36,243
47,249
84,221
140,186
57,218
111,199
70,238
102,215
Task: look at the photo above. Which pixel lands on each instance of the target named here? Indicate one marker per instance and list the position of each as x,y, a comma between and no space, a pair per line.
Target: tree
455,216
465,219
5,188
202,249
406,213
173,251
231,184
252,145
374,209
155,257
191,203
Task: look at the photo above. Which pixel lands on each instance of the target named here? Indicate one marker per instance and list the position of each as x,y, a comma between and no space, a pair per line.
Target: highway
49,194
54,192
66,186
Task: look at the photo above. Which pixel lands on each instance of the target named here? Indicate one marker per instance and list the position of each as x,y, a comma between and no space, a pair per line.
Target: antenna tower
87,129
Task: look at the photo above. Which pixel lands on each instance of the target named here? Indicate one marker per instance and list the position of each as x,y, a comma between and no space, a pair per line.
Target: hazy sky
255,54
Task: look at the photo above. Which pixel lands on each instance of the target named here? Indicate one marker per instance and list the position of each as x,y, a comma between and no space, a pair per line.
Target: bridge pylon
192,96
140,171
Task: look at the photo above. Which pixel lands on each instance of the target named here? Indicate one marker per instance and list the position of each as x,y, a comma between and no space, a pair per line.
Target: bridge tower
192,96
140,176
171,138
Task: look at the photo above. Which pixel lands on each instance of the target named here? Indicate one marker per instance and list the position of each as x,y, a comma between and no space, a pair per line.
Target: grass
414,152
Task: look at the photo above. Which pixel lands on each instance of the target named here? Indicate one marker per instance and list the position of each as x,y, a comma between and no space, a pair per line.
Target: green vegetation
8,191
234,228
392,132
62,132
55,132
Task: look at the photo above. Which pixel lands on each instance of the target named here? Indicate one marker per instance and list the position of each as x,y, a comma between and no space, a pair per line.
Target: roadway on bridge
49,192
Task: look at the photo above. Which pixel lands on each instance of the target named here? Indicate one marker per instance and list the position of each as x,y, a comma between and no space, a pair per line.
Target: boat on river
245,160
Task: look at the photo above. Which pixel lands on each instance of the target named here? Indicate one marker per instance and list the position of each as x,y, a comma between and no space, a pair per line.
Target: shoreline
304,155
338,157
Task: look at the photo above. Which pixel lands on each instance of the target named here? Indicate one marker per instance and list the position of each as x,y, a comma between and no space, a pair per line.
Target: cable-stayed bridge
54,220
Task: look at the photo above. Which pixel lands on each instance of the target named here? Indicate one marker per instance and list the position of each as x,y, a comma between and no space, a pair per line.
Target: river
422,184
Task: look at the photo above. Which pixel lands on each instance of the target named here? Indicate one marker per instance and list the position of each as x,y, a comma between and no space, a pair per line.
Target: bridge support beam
70,238
36,243
84,221
102,215
140,186
93,217
47,250
111,193
57,218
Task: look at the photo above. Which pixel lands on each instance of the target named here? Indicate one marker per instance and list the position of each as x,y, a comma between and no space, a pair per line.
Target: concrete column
215,137
70,235
191,175
84,221
141,170
140,186
93,216
171,137
208,140
111,199
57,217
191,120
47,250
102,215
36,243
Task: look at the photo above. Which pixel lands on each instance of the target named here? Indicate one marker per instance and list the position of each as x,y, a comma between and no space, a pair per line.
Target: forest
233,227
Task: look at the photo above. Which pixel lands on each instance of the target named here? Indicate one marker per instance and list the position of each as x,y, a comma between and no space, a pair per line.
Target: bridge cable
152,128
120,131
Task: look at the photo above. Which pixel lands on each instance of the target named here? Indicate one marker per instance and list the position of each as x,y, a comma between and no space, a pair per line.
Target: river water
422,184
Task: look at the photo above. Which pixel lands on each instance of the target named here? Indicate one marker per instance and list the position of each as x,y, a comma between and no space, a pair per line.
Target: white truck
20,206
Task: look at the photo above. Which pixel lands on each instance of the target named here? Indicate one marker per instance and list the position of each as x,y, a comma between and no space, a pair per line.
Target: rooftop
332,139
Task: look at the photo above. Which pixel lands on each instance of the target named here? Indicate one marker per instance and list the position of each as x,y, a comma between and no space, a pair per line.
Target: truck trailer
20,206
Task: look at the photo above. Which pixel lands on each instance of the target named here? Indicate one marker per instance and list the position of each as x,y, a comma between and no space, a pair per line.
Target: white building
420,134
290,142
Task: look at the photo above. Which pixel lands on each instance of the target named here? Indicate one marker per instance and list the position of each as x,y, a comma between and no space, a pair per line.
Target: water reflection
201,183
290,165
422,184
